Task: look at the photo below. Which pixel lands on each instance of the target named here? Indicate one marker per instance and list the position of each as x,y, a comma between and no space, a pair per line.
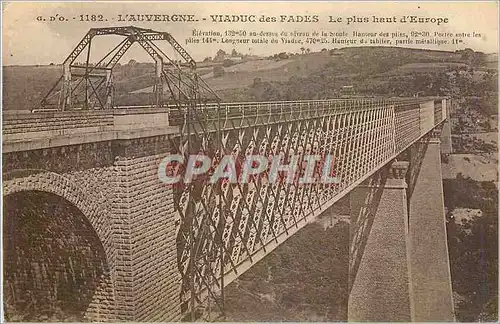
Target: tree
227,63
218,71
302,49
220,56
221,52
234,53
283,56
473,247
467,54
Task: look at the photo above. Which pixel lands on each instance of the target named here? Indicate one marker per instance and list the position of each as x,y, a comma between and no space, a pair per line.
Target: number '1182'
91,18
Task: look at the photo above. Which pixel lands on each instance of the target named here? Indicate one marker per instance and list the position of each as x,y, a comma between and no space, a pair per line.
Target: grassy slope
24,86
302,280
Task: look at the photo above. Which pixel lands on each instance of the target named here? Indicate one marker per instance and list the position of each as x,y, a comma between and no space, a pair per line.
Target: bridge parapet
40,130
67,122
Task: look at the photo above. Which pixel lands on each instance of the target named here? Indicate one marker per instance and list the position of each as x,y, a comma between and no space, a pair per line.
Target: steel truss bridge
226,228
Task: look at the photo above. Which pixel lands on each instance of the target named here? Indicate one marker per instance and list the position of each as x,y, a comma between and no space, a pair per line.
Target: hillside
318,254
372,71
376,71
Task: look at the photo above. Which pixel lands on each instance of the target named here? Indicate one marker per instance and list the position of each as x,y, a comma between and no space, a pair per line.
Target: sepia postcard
250,161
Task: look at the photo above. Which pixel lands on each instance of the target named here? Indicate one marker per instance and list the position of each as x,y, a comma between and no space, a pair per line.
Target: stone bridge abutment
108,181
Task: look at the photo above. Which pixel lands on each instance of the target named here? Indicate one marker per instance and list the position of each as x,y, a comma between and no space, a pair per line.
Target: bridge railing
276,111
231,114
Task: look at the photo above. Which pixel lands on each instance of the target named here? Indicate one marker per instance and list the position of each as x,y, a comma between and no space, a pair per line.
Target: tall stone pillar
147,277
446,142
430,266
379,282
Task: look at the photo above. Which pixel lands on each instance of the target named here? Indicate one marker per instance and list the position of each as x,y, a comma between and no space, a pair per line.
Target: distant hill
375,71
25,86
371,70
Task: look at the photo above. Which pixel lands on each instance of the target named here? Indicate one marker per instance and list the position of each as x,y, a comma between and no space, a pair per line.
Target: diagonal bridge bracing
233,226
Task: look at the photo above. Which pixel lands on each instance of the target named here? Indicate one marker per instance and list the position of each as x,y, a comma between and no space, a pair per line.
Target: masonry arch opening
54,261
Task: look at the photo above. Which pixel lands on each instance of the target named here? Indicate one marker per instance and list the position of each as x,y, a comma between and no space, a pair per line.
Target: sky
29,41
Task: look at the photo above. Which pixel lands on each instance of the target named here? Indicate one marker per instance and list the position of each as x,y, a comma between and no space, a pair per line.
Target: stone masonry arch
103,302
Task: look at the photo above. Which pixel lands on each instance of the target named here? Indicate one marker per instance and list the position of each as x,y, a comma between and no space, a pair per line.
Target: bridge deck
233,226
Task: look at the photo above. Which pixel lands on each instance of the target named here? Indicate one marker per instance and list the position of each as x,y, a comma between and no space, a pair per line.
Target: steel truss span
226,228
